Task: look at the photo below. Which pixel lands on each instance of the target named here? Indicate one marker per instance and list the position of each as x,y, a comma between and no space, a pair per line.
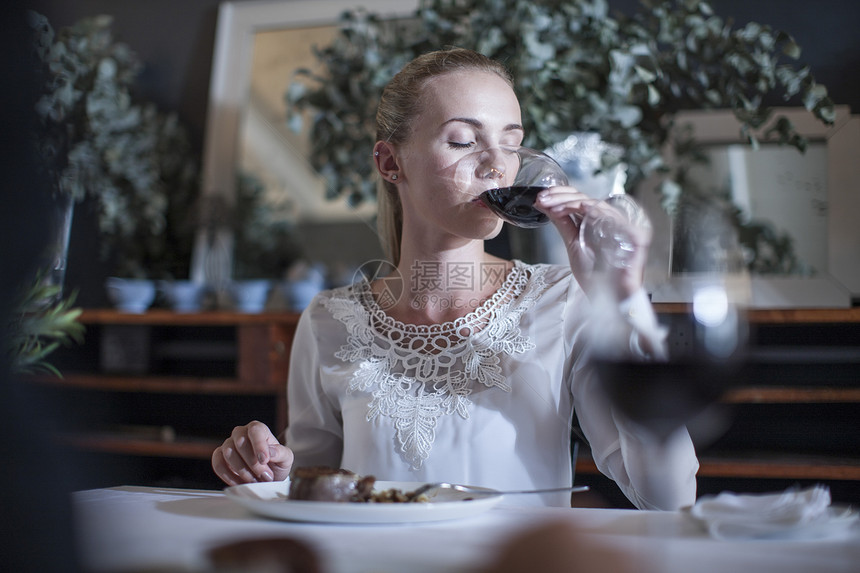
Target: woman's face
460,146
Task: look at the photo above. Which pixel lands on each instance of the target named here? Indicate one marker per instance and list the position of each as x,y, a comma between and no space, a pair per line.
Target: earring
376,153
394,177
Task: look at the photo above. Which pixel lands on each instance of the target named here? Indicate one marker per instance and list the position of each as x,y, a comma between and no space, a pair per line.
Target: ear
386,161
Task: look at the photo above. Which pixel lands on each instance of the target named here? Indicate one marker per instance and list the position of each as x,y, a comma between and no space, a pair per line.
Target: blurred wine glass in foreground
706,343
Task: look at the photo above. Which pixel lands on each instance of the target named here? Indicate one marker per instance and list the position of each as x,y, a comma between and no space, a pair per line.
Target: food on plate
394,495
319,483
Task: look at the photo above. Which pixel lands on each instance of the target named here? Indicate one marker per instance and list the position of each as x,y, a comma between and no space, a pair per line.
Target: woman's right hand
566,208
252,454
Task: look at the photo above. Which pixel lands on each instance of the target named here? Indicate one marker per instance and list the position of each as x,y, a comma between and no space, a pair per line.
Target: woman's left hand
566,207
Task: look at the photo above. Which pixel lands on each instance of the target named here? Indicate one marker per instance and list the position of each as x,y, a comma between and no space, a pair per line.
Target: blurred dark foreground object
36,529
267,555
557,547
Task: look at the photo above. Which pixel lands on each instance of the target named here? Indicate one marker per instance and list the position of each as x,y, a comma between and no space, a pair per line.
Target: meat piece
330,484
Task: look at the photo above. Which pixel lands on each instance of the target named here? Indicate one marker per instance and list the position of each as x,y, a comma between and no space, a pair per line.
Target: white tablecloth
137,528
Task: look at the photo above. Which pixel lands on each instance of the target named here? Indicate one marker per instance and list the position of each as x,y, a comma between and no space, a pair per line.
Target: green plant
576,67
41,323
342,101
264,242
134,162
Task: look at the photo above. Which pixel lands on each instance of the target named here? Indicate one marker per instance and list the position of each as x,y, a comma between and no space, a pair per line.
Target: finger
249,446
563,205
237,463
222,470
260,438
280,461
554,196
563,189
642,236
568,228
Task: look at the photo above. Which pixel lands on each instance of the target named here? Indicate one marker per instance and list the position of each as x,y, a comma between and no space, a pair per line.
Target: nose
492,165
493,173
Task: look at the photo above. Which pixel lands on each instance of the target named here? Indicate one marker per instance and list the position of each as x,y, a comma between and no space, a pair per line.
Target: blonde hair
399,105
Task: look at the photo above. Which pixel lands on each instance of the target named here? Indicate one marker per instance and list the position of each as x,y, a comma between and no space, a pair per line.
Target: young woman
460,366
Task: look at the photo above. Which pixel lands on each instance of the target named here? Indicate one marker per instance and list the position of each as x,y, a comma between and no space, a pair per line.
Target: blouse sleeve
315,430
652,474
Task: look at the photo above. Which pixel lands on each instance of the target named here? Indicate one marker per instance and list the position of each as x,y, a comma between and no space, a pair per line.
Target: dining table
133,529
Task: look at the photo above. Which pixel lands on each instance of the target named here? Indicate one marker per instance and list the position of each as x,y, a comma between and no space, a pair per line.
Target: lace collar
415,373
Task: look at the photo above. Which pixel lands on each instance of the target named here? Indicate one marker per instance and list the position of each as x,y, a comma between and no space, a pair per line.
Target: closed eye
458,145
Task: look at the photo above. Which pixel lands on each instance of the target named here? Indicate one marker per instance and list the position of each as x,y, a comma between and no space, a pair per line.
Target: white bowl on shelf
250,295
130,295
183,296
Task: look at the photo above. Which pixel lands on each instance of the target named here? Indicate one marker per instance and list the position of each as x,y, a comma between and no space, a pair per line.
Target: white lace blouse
485,400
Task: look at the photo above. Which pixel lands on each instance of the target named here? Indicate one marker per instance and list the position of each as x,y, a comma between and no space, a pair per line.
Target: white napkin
793,512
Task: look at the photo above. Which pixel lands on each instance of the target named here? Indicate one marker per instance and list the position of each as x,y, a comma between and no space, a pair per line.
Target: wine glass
707,344
610,231
515,203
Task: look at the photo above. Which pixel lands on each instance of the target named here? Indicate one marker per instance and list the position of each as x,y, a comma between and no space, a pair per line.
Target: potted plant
263,242
130,162
577,68
41,321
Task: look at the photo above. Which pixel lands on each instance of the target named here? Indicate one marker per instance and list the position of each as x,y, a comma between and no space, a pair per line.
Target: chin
480,223
491,232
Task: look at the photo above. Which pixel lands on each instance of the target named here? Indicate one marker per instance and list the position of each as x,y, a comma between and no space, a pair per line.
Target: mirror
813,197
258,45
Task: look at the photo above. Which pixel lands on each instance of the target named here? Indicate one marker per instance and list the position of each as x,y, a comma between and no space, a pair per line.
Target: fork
491,492
479,491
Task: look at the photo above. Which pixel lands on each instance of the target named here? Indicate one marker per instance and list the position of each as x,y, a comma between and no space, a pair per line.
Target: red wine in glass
515,205
664,396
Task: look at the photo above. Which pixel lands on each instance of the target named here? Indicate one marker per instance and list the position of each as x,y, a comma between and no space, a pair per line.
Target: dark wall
175,39
826,31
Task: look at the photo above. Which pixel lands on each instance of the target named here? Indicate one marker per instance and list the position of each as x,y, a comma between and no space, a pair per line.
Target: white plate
270,500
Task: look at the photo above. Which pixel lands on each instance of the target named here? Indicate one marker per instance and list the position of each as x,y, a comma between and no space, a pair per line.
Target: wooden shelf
116,443
229,318
780,316
168,317
162,384
191,385
159,364
766,466
260,346
792,395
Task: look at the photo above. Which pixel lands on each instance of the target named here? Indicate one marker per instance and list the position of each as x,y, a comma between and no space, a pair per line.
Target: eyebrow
477,124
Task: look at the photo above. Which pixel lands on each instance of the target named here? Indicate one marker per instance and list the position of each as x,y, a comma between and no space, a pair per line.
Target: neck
443,284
